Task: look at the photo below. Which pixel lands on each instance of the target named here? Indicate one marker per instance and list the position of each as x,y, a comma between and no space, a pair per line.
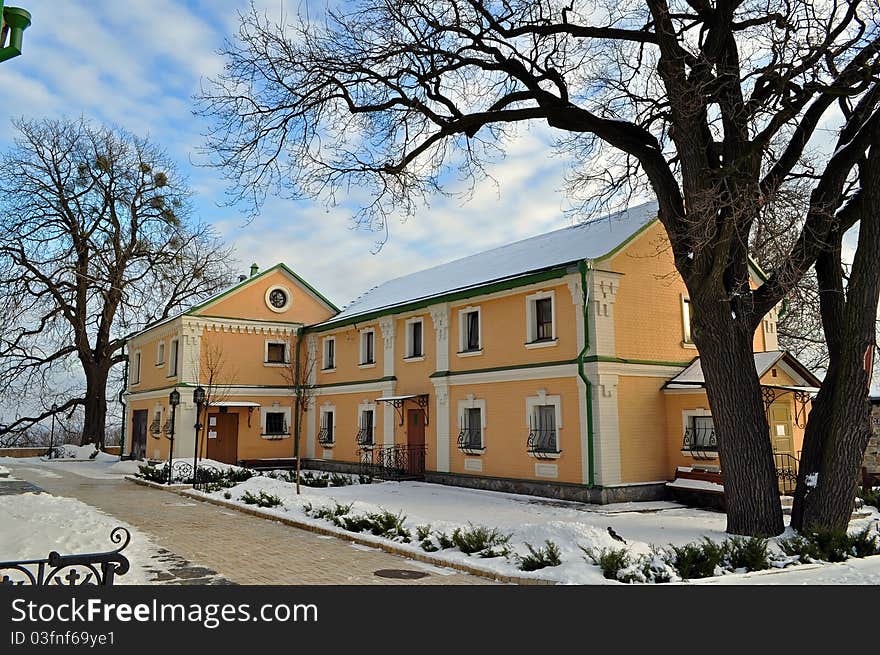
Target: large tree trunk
95,406
751,490
839,427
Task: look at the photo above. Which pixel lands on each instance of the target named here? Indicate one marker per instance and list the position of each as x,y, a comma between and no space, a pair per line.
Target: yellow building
560,365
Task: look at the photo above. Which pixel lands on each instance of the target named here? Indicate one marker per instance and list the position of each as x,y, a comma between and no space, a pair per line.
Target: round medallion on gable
278,299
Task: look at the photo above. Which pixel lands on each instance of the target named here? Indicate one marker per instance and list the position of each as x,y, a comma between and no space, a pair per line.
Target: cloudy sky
138,63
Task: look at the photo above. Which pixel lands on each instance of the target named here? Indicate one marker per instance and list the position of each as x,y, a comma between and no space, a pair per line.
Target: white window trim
368,406
543,399
172,361
532,328
286,345
474,403
462,331
324,410
280,287
407,356
324,351
361,339
687,339
160,348
136,362
275,409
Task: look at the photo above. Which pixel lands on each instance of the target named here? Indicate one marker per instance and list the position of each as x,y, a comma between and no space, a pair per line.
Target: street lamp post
174,401
199,400
52,432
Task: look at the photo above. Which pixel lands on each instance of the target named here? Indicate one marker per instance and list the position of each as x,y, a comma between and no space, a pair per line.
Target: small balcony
470,441
543,444
325,437
700,442
365,436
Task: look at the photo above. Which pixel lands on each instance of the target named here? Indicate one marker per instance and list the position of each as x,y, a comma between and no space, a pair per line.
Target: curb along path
243,549
185,490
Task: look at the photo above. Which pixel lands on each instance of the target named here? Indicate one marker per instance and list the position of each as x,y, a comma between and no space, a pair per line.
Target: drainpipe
583,265
122,402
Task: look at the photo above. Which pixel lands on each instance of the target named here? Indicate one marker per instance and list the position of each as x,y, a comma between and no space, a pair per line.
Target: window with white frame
686,319
329,354
541,318
366,426
368,347
136,367
327,431
472,425
544,422
415,338
173,355
469,330
276,352
276,423
160,353
699,432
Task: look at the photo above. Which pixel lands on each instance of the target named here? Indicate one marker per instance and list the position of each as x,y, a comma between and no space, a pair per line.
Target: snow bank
36,523
529,520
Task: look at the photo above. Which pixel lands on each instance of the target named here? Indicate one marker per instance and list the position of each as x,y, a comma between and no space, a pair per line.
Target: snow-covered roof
593,240
692,376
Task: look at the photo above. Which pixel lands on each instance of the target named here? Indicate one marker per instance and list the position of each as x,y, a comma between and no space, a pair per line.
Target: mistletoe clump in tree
710,105
97,240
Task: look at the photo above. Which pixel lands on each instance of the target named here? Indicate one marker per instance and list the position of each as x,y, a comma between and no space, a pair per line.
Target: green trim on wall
246,281
513,367
620,360
493,287
623,244
387,378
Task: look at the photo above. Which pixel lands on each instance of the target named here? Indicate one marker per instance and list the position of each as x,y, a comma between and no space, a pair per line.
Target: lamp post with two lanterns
199,400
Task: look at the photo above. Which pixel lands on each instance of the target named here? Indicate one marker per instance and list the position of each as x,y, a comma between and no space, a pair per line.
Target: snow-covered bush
261,500
547,555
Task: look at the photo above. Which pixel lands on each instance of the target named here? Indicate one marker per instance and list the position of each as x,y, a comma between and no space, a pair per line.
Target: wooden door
139,434
221,433
415,440
780,428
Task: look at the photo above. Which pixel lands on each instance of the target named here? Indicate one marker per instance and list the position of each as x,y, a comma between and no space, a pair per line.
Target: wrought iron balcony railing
156,427
365,436
325,437
700,439
542,442
470,440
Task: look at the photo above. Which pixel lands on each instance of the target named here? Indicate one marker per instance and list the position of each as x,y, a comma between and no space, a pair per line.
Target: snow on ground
33,524
103,467
528,519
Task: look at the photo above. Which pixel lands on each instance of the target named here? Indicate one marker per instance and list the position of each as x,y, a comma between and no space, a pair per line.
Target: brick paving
243,549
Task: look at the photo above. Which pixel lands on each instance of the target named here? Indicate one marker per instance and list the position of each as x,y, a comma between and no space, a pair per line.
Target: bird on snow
615,536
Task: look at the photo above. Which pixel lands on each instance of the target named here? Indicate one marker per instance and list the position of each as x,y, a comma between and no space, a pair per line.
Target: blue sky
138,63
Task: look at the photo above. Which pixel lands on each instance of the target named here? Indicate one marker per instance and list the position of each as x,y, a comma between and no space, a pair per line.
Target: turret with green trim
15,21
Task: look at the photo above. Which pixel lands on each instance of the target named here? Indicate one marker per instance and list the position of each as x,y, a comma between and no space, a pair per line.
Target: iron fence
99,569
393,462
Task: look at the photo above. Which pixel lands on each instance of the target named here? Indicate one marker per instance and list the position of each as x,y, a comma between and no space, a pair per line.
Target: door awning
421,399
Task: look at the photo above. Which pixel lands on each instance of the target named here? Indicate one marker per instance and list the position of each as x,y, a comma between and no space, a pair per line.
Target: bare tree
711,106
215,376
96,241
299,375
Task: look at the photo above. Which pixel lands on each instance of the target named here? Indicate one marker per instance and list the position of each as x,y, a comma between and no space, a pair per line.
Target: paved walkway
243,549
